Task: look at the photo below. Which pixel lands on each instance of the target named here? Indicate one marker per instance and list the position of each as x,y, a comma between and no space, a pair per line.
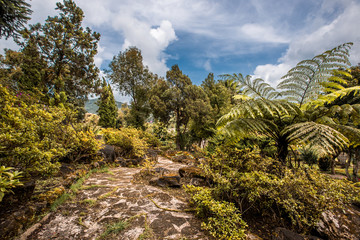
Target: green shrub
309,156
128,140
34,137
222,219
8,179
250,181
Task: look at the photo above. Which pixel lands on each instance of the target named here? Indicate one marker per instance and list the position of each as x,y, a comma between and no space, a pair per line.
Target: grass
104,170
90,202
114,228
148,232
117,227
109,193
59,201
93,186
74,188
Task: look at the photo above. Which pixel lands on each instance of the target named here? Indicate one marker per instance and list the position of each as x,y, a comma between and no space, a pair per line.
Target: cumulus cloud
271,73
306,46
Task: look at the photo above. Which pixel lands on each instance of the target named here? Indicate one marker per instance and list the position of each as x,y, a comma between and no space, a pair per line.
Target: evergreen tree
69,51
129,74
13,15
108,110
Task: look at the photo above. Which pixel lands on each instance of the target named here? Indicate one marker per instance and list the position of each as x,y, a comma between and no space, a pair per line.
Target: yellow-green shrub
222,219
129,141
250,181
34,137
8,179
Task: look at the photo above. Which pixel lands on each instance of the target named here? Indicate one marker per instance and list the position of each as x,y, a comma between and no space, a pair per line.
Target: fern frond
303,82
331,97
256,88
324,137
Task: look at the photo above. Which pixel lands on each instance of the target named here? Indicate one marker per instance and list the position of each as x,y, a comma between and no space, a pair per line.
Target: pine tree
108,110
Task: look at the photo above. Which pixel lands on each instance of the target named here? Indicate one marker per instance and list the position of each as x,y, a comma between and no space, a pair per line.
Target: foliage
303,83
132,78
221,218
8,179
255,183
130,141
108,110
309,155
264,112
35,137
68,51
13,15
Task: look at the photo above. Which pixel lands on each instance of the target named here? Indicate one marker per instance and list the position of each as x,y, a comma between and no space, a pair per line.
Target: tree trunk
356,165
178,132
347,165
333,165
282,150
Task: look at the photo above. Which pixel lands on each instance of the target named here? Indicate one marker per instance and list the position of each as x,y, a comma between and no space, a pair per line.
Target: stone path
109,198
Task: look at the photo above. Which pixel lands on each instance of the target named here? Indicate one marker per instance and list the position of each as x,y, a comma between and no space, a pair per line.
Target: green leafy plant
129,141
222,219
261,185
8,179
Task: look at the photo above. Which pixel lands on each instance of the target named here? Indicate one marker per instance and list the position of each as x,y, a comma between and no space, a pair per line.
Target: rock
168,180
152,154
340,224
20,195
15,223
286,234
197,182
108,152
179,158
161,171
191,172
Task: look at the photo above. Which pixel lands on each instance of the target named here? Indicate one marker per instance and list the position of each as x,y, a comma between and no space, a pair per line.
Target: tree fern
324,137
303,82
256,88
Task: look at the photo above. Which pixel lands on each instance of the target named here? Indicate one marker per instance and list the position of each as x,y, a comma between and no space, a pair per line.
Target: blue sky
264,38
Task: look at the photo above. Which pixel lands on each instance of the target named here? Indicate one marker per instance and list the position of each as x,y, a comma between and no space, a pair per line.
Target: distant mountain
91,107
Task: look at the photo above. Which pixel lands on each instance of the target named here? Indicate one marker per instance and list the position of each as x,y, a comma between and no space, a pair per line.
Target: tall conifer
108,109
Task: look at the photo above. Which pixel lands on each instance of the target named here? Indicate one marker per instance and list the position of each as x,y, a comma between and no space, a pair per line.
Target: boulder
161,171
167,180
108,152
191,172
179,158
340,224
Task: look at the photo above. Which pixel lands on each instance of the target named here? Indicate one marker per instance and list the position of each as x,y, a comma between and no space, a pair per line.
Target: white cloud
339,31
261,33
207,65
271,73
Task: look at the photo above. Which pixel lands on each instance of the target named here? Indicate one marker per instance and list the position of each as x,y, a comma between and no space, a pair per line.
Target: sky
263,38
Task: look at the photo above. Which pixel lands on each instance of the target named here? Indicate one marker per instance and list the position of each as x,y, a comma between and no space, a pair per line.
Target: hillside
91,107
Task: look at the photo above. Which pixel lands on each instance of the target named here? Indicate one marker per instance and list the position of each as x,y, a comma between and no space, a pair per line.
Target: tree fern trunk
282,150
356,165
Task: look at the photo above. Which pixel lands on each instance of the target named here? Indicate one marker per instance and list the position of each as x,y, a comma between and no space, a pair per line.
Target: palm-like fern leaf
334,97
303,82
256,88
260,109
324,137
